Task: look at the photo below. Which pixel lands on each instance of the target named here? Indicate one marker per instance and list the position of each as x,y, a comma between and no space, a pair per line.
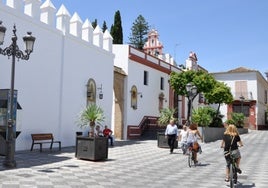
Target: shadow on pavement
27,159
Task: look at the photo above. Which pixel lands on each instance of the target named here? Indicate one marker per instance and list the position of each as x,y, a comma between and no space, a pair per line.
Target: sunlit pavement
138,164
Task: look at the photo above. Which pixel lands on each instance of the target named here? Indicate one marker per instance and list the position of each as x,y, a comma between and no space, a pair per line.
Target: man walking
171,134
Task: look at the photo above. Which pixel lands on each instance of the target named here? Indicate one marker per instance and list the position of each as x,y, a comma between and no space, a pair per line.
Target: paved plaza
138,164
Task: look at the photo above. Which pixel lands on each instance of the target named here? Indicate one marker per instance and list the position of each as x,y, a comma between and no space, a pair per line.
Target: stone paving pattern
138,164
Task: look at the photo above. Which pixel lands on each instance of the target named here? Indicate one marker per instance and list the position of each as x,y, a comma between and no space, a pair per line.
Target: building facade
71,66
249,89
144,87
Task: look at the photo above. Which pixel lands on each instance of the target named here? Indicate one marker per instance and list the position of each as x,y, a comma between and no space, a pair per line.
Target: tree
215,92
116,29
94,23
139,31
104,26
201,79
219,94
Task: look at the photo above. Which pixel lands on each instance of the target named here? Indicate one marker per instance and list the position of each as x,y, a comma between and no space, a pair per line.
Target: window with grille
145,78
162,83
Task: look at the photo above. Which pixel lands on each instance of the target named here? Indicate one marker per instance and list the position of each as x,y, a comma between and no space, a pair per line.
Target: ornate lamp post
13,51
191,93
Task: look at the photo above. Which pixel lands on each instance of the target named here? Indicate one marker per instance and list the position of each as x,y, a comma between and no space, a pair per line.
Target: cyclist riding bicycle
193,133
229,143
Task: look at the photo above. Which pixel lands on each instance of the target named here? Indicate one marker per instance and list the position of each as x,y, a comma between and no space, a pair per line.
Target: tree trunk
92,131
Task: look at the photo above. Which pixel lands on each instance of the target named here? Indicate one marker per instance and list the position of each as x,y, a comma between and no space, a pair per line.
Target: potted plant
238,120
166,114
204,117
91,116
91,147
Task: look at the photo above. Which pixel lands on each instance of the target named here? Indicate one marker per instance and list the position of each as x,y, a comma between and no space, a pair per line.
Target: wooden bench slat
42,138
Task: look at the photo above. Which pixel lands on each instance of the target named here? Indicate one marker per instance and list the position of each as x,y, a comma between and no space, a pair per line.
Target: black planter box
162,142
91,148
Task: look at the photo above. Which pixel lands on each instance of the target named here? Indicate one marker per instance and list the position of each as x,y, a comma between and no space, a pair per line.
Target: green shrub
237,119
207,116
166,114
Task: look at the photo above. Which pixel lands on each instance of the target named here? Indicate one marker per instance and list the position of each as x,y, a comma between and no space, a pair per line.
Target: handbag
195,146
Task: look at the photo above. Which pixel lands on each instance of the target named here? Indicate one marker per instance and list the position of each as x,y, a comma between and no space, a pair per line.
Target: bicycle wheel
231,176
190,159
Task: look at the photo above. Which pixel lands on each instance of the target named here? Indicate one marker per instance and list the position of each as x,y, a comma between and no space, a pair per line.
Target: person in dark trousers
108,133
171,134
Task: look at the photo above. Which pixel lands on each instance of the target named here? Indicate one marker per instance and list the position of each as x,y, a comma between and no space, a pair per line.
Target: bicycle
191,159
233,170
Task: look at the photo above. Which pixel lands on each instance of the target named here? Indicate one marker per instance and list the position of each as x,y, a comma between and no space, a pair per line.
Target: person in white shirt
183,139
98,131
193,134
171,134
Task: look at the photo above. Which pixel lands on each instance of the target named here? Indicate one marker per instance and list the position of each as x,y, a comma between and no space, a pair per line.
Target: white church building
71,64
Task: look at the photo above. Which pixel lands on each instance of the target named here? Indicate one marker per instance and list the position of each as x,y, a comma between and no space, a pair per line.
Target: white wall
148,105
52,83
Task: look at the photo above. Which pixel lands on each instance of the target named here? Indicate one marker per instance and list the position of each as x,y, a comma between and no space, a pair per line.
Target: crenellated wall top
62,20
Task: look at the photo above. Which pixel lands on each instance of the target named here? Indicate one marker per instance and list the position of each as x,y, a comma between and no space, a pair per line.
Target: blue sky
225,34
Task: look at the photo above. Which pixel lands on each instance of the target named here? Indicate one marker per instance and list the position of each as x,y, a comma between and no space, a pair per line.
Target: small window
91,91
145,78
162,83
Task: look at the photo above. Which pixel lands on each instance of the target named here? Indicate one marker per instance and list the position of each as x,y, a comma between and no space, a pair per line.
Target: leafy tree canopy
201,79
220,93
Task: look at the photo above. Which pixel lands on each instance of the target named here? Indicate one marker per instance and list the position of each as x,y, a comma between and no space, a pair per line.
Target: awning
3,104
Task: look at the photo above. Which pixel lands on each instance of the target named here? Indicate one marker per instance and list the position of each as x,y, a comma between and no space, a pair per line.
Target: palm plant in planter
166,114
91,116
91,148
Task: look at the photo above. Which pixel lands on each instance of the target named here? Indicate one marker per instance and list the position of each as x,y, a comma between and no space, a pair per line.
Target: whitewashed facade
134,64
253,87
52,84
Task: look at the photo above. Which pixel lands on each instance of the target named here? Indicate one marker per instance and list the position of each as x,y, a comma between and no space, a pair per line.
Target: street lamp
191,93
242,99
13,51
